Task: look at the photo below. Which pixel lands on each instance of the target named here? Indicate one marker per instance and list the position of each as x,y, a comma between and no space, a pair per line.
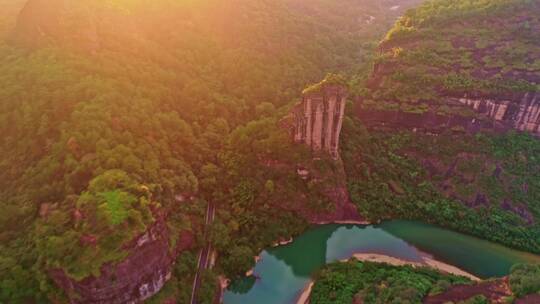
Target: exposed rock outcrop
493,116
319,117
317,122
523,115
485,62
428,122
139,276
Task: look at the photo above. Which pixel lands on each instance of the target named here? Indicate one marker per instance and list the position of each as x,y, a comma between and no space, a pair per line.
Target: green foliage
240,257
444,11
427,192
377,283
479,299
459,48
115,202
178,99
329,80
181,279
525,279
108,218
208,289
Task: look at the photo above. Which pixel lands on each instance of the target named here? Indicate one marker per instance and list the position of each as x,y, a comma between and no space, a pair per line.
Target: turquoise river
283,272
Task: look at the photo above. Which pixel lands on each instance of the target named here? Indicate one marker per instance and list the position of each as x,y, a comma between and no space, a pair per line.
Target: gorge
124,122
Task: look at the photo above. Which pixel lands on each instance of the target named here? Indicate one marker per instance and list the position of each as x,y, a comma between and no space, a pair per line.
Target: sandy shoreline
346,222
304,297
282,242
427,261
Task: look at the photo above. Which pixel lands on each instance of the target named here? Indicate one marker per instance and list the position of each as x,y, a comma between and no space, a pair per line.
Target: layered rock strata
316,122
139,276
318,119
493,116
523,115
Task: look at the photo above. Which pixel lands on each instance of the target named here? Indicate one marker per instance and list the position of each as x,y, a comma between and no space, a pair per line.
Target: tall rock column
319,117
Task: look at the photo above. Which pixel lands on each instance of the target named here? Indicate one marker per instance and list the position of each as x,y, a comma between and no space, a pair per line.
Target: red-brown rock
139,276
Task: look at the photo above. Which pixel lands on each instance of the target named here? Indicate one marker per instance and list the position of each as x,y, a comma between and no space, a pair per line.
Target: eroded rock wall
319,117
493,115
139,276
523,115
317,122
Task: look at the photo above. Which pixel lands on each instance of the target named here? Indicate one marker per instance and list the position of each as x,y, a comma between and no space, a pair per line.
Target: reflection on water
284,271
359,239
307,252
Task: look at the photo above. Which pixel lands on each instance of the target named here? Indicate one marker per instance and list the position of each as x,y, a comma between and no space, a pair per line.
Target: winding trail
204,255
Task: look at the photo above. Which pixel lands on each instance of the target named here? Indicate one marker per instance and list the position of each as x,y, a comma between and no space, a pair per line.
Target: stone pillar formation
317,120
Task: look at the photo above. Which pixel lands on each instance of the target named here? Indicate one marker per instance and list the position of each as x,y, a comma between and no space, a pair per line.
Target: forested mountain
453,82
445,130
121,119
471,50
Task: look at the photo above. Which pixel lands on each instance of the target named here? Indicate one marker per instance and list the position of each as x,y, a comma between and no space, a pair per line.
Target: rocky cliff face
492,116
428,121
316,122
139,276
484,56
318,119
523,115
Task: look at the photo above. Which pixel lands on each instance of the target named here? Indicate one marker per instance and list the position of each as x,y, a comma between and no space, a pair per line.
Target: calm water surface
284,271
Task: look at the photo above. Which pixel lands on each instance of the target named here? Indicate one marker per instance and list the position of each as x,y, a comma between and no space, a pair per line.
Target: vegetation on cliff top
329,80
460,48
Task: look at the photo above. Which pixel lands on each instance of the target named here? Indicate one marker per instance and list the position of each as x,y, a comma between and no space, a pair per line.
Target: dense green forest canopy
461,48
366,282
110,110
486,184
448,180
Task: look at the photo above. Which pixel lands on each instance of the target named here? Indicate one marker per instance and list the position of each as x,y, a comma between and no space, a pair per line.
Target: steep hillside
121,119
435,134
482,54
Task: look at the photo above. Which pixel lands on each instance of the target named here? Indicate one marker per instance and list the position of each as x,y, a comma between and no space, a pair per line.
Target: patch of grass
116,202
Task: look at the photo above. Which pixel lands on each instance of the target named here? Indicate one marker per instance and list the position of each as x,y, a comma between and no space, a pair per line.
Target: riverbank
304,296
427,261
346,222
